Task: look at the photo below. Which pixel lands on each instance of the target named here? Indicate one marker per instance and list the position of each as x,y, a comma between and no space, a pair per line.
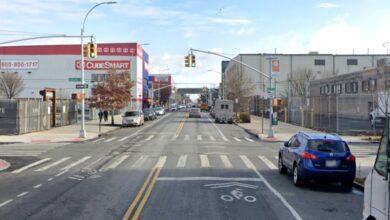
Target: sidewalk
69,133
284,131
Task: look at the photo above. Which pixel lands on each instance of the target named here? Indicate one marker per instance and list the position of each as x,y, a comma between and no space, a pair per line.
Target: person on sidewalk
105,115
100,116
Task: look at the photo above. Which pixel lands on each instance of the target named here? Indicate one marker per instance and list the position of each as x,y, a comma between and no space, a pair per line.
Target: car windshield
330,146
129,114
159,108
195,110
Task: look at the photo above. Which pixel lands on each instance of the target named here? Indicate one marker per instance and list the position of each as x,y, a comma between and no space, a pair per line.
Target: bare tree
112,94
239,86
11,84
300,84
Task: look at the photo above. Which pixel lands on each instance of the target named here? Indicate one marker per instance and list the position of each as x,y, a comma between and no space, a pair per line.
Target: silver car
194,113
134,118
159,110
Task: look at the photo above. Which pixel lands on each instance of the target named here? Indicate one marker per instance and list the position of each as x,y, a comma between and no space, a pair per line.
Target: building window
99,77
355,87
353,62
326,89
372,84
318,62
332,89
339,88
321,90
365,86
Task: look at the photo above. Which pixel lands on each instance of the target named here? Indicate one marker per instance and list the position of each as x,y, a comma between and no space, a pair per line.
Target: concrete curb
4,165
358,186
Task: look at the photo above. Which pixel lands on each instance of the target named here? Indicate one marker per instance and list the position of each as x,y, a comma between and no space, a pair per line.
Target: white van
376,186
223,111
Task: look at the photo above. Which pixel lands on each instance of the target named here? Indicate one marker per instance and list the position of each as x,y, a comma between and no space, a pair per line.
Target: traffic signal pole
269,76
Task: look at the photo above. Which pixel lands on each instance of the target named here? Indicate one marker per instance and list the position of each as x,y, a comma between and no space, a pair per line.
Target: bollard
302,118
285,115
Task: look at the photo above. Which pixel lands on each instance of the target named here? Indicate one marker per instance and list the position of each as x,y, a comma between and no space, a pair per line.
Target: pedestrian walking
100,116
105,115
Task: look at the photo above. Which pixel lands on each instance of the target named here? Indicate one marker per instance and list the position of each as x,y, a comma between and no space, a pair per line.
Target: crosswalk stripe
53,164
182,161
250,140
237,139
199,137
82,160
247,162
149,138
204,161
186,137
226,161
140,161
31,165
161,161
124,138
174,137
268,162
212,138
118,161
97,140
111,139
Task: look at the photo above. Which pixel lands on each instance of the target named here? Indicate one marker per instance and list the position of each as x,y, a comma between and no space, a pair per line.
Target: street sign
81,86
74,79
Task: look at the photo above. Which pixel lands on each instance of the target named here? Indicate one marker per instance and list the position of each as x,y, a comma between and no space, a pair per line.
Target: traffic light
93,50
187,61
87,50
192,60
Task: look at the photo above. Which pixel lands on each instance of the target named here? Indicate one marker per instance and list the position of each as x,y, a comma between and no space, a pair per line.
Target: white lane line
62,172
268,163
211,178
226,162
199,137
140,161
53,164
98,140
82,160
37,186
6,202
22,194
50,179
124,138
186,137
204,161
237,139
272,189
111,139
93,163
182,161
219,131
212,138
149,138
250,140
118,161
31,165
160,163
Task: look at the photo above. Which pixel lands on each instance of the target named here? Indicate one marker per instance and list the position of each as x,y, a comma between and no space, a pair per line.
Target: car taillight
309,156
351,157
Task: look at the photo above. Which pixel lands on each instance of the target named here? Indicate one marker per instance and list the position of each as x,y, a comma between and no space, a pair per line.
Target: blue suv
317,156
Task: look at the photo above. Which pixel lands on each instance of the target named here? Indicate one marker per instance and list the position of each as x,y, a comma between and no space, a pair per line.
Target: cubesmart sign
103,65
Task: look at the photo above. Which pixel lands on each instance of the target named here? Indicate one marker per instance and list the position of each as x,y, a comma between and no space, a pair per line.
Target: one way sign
81,86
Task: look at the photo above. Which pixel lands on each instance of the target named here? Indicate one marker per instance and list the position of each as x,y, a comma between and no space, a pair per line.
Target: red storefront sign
104,65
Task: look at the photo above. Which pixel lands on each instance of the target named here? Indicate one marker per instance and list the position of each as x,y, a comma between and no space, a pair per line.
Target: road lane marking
237,139
199,137
50,179
140,161
6,202
226,162
53,164
182,161
149,138
111,139
210,178
22,194
145,191
219,131
174,137
204,161
82,160
124,138
181,125
37,186
60,173
187,137
247,162
89,166
98,140
31,165
212,138
117,162
250,140
268,162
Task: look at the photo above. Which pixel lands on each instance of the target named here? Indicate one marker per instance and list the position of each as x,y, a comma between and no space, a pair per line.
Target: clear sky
231,27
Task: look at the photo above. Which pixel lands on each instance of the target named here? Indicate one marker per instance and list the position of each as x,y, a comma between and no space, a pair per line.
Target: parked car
317,156
160,110
134,118
149,114
194,113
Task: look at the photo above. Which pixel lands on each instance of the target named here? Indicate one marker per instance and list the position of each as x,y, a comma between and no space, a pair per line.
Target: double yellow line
181,125
135,209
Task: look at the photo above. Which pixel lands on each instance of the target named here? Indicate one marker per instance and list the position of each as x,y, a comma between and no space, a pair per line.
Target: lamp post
83,133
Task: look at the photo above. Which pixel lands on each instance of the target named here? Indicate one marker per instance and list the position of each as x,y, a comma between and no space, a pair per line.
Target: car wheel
282,169
297,179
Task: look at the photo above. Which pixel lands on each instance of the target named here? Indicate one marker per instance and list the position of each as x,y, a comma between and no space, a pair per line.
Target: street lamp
83,133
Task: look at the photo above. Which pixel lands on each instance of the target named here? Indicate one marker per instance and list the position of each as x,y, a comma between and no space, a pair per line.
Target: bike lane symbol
236,193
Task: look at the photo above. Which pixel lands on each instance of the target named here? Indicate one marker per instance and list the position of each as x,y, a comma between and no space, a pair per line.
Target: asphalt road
172,168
